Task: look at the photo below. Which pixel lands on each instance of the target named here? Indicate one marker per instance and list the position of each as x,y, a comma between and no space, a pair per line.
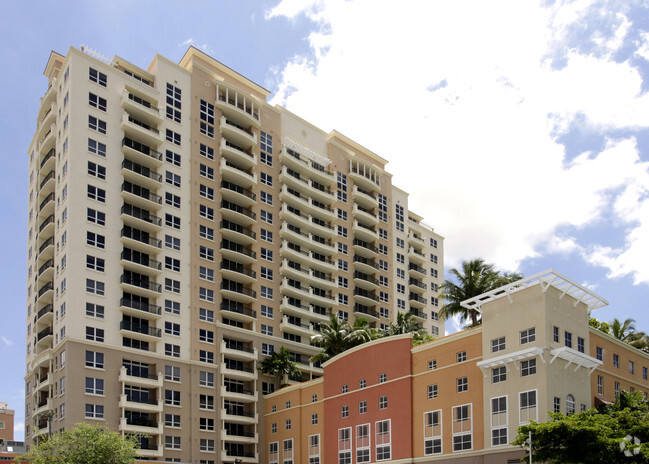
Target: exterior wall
6,424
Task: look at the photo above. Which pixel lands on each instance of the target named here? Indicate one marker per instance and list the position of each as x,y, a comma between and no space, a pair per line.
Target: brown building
460,398
180,229
6,424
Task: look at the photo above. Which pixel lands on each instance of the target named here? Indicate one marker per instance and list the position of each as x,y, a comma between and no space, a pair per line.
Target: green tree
405,323
84,444
338,335
623,331
474,278
602,326
280,364
562,439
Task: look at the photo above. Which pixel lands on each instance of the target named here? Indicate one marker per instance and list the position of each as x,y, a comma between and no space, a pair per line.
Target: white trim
545,279
505,359
463,432
575,357
434,437
491,416
536,407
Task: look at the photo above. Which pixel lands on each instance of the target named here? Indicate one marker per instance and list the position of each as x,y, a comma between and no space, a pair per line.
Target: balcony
141,153
243,437
237,133
239,372
46,249
145,380
43,359
140,241
366,312
237,252
43,407
140,426
47,141
365,297
365,281
45,293
47,184
294,270
45,336
364,232
140,262
48,98
314,242
140,196
142,175
237,416
46,207
237,292
416,271
45,381
415,239
365,216
237,154
138,308
47,163
365,249
150,451
140,131
140,218
237,194
241,394
49,118
294,216
365,198
313,294
141,108
239,312
238,272
46,271
302,311
368,266
417,285
418,314
416,256
289,326
322,228
238,214
240,353
47,226
237,106
237,175
364,177
140,331
140,286
233,231
152,405
311,169
313,207
416,301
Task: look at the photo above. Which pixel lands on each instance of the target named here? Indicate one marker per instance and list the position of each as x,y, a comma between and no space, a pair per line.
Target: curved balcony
366,312
365,177
364,249
142,175
243,437
237,175
240,353
48,99
238,311
416,271
293,216
235,291
48,161
295,271
47,184
297,290
44,359
140,196
365,216
47,141
44,315
45,293
45,336
46,271
237,213
364,232
47,206
311,241
311,169
365,297
238,272
233,231
237,154
368,266
416,256
141,108
140,218
320,192
139,286
142,379
141,153
322,228
139,309
141,331
237,106
418,314
310,205
237,252
297,328
237,194
140,241
46,249
416,301
237,133
140,131
365,281
417,285
241,395
239,373
416,239
47,226
140,262
365,198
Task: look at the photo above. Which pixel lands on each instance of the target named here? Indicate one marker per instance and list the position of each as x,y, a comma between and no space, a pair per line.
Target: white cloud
477,102
19,427
201,46
6,341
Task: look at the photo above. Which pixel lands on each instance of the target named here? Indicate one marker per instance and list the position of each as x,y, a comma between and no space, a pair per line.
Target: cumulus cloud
479,103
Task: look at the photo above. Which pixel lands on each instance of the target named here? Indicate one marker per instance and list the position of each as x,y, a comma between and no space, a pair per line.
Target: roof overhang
545,279
505,359
575,357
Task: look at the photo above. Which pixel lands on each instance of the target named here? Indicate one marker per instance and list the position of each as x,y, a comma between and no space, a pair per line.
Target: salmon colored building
460,398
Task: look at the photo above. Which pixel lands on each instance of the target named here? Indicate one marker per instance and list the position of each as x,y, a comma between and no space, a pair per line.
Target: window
568,339
580,344
94,286
96,216
432,364
267,254
556,404
206,212
172,200
206,402
206,273
267,311
342,214
97,77
96,170
383,402
206,315
94,411
172,221
93,386
172,264
172,397
462,384
172,373
600,353
174,105
172,350
499,421
498,374
95,193
287,424
344,411
94,310
570,405
432,432
206,379
342,231
172,307
206,232
266,329
94,334
266,197
207,119
266,158
644,373
206,356
267,349
462,428
383,440
600,385
96,124
173,137
432,391
94,263
97,148
343,299
527,404
172,158
383,378
266,179
528,367
172,442
616,388
97,102
362,407
497,344
555,334
266,292
172,242
631,367
206,151
362,443
172,285
344,388
461,356
266,216
171,328
94,359
616,361
172,420
206,423
528,336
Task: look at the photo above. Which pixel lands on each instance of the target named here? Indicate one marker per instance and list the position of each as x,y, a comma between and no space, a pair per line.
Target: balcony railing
228,225
44,333
145,307
141,192
46,222
236,267
141,148
50,155
135,234
46,243
142,102
142,283
142,259
45,288
238,288
239,309
238,189
140,328
233,246
141,170
141,214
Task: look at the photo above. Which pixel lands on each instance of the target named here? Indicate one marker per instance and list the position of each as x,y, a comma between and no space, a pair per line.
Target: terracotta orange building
460,398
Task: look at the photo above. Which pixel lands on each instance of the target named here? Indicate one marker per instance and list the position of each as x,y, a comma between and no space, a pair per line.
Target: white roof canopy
545,279
575,357
504,359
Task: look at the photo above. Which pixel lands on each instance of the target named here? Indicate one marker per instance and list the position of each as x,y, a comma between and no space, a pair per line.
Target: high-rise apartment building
181,229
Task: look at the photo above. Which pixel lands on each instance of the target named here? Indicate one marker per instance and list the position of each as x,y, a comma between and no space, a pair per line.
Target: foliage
338,335
474,278
562,439
84,444
405,323
281,365
602,326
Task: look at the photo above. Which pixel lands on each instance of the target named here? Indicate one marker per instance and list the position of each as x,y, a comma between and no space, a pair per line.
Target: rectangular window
94,386
172,200
497,344
174,105
616,361
499,421
172,373
96,170
172,420
600,385
206,379
172,179
172,442
94,334
462,428
555,334
462,384
527,406
432,432
172,397
383,440
97,77
631,367
461,356
94,263
172,350
344,411
94,411
432,391
173,137
97,102
528,336
528,367
94,359
568,339
96,124
206,315
94,310
383,402
600,353
172,158
580,344
94,286
266,179
498,374
95,193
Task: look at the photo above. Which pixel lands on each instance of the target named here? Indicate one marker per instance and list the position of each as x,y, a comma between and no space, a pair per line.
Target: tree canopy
84,444
280,364
563,439
474,278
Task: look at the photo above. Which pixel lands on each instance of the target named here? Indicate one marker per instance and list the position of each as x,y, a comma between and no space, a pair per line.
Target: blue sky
528,122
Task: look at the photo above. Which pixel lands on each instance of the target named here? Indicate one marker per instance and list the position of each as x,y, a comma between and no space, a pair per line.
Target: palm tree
624,331
474,278
281,365
405,323
338,335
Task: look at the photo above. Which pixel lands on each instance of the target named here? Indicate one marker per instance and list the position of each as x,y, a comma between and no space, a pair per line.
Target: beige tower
181,229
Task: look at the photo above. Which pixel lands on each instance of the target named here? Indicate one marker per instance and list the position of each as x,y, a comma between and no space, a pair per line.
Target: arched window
570,405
